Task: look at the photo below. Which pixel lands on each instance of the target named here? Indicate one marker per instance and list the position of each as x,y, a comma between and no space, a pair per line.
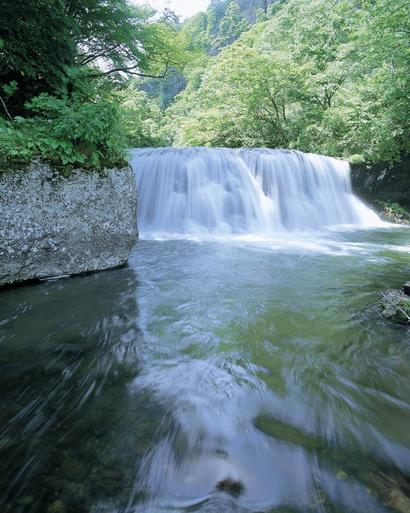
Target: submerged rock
389,490
73,469
341,475
395,306
230,486
53,225
26,500
56,507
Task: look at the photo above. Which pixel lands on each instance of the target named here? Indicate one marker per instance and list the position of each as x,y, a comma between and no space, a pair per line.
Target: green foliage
326,78
231,26
86,134
37,47
356,160
63,66
43,41
323,77
140,118
393,211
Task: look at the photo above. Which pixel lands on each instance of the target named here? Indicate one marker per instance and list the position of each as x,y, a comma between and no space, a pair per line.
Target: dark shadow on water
71,433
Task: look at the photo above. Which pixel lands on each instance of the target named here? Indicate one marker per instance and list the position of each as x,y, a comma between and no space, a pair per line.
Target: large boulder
53,225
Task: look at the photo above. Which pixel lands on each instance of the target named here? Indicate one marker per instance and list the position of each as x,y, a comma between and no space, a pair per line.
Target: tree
320,77
231,27
46,46
36,48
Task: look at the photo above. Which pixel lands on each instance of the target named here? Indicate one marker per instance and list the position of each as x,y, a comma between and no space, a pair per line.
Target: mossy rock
395,306
285,432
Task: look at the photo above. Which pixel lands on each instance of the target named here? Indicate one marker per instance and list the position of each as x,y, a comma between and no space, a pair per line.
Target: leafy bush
65,131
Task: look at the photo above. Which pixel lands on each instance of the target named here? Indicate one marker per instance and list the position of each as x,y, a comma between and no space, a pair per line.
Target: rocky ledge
395,304
53,225
383,182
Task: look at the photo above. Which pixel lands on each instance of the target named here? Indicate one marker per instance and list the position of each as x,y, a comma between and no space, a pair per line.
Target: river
239,373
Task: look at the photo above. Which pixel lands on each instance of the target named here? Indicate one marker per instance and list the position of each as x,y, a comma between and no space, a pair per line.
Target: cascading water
248,191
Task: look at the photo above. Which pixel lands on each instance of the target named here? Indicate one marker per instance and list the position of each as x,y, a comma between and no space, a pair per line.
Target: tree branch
93,57
130,70
5,108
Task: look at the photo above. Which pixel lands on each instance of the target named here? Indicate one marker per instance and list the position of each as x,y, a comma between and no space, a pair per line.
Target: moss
65,170
287,433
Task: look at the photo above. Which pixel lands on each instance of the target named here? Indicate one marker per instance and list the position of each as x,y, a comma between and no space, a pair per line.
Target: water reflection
70,435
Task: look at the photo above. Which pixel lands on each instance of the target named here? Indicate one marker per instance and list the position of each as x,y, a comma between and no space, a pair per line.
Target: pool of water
225,375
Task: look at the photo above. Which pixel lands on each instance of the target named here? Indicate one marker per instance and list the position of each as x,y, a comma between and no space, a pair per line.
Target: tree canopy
65,66
319,76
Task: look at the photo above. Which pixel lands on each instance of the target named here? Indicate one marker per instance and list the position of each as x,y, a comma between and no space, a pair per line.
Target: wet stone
395,306
398,501
56,507
230,486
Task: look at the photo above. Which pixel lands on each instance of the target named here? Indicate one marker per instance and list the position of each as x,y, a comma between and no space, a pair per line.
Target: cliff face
384,183
51,225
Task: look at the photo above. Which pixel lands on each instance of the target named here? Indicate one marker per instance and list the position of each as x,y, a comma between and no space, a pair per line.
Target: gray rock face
51,225
383,182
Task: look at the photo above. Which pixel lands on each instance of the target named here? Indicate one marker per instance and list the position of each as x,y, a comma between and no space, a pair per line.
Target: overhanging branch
128,70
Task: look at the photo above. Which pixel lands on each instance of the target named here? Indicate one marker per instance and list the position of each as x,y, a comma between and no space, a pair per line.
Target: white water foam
220,191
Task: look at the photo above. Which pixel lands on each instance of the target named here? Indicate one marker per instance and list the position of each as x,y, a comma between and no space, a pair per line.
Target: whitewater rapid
221,191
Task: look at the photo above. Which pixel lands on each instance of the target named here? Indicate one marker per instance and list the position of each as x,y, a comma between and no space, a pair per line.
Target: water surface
225,375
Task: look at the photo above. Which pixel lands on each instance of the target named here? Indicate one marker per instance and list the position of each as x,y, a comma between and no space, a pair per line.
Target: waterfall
219,191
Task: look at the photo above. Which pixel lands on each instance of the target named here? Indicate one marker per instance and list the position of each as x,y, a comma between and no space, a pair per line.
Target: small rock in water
340,474
395,306
398,501
406,288
230,486
56,507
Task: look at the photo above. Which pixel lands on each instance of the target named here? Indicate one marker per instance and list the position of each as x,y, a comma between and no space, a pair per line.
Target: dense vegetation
81,80
66,78
327,77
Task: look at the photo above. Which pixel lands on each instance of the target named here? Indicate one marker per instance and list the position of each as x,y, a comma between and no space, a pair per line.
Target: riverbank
52,225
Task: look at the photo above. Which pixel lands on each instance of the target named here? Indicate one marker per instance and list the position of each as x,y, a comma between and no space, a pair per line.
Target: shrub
65,131
356,160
